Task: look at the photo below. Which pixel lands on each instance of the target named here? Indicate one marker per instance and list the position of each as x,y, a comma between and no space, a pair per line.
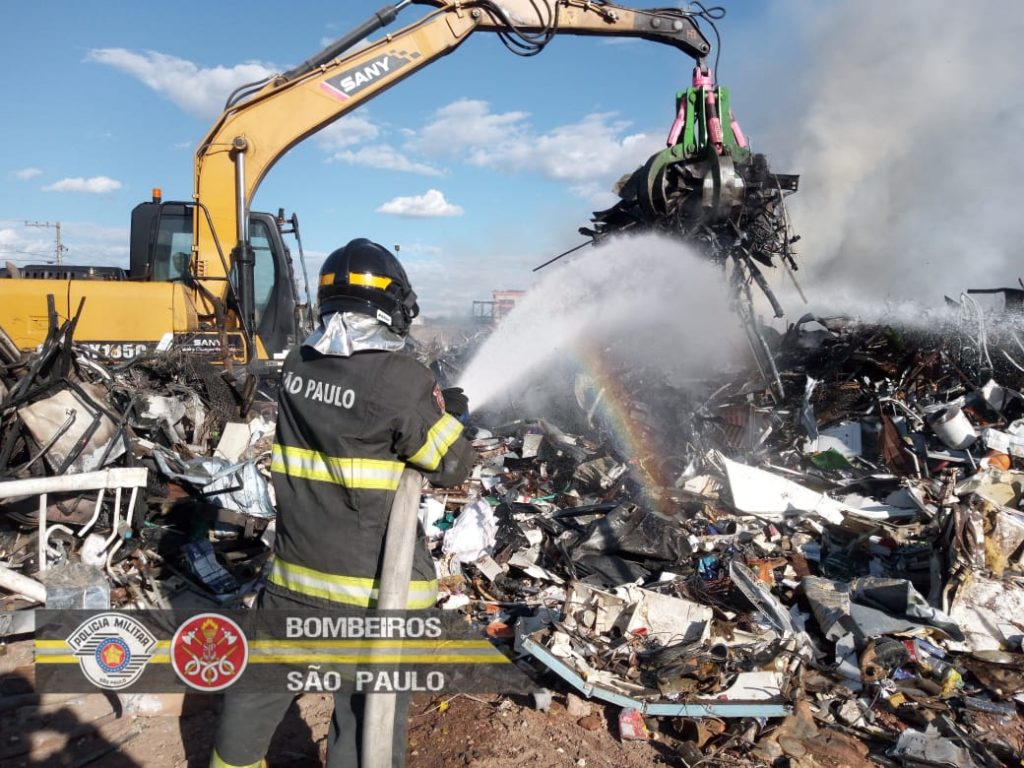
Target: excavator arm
262,122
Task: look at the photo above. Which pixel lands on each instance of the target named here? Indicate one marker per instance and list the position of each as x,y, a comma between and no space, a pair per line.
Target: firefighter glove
455,401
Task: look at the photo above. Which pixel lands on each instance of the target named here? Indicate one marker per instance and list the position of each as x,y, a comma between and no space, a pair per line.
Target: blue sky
111,98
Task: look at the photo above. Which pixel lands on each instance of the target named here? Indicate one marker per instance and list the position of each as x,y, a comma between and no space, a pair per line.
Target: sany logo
367,74
352,80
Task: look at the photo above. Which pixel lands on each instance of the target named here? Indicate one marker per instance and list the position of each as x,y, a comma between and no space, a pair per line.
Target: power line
59,249
27,253
46,259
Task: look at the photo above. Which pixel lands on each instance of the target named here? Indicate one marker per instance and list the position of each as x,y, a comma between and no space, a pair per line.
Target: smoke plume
908,151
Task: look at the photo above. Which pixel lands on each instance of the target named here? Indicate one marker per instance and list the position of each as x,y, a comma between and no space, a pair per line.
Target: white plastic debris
761,493
233,441
92,552
843,438
431,510
473,534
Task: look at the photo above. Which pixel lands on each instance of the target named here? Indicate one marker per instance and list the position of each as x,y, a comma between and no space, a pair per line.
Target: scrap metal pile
836,577
134,470
831,577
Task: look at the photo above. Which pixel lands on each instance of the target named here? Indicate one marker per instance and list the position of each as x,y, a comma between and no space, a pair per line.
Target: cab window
173,247
264,271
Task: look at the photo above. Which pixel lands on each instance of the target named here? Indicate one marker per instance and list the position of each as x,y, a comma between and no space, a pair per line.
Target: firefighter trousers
248,720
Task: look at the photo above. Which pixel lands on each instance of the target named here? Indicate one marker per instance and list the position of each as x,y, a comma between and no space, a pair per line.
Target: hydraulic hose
380,19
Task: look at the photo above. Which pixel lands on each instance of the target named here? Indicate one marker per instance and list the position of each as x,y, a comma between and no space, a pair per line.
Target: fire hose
396,571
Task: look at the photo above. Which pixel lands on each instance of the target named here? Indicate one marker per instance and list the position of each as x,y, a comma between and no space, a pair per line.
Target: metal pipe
49,533
243,257
42,532
113,523
122,477
119,477
95,514
129,514
13,581
393,594
242,224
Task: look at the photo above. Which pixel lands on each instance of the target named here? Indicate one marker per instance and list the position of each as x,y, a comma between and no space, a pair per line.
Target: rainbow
612,412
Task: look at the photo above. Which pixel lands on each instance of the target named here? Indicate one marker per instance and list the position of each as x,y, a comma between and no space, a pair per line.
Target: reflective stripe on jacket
347,427
344,589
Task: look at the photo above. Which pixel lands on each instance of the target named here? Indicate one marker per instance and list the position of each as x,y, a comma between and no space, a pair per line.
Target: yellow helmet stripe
369,280
327,278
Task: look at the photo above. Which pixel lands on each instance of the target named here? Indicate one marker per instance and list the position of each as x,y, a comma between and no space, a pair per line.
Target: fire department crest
209,652
112,649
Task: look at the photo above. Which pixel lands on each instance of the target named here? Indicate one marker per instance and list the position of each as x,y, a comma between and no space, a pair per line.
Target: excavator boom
192,281
263,123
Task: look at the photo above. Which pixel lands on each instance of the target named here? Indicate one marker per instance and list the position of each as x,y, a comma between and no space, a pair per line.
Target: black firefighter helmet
365,277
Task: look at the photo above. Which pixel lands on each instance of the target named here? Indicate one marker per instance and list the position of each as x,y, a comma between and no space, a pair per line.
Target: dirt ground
460,730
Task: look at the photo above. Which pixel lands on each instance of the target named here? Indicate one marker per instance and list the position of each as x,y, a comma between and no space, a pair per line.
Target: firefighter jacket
347,427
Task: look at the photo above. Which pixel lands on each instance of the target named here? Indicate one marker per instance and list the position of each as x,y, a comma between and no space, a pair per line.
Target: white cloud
348,131
96,185
596,195
340,140
22,244
26,173
431,204
595,148
198,90
467,123
385,157
590,149
87,244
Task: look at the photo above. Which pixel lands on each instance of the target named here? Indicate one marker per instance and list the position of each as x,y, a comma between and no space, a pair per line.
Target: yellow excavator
211,276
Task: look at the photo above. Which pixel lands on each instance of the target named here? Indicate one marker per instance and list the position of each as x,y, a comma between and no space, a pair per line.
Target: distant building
492,312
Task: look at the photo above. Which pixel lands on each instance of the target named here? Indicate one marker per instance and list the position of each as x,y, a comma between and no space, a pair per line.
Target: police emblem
209,652
112,649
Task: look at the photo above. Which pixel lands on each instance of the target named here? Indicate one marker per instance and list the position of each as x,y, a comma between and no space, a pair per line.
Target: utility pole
59,249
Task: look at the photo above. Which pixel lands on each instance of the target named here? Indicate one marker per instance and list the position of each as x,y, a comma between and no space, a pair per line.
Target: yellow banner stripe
41,645
374,643
372,658
496,658
440,643
378,651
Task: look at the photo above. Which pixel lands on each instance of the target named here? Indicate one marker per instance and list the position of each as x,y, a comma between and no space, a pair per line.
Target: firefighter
353,412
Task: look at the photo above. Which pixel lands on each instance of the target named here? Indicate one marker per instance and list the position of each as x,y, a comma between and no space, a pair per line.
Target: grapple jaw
708,189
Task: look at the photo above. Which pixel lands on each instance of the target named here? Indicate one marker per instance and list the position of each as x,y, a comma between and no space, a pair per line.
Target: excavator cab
161,250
